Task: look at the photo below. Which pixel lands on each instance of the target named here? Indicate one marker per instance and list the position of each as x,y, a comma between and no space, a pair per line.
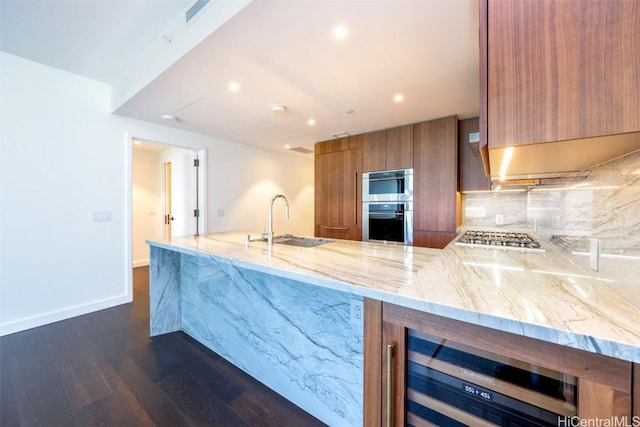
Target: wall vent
301,150
340,135
193,10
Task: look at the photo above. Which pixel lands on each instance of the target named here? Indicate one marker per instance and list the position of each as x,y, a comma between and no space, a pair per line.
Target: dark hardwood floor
103,369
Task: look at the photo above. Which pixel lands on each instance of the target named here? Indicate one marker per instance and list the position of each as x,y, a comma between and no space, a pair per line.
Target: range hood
558,159
528,183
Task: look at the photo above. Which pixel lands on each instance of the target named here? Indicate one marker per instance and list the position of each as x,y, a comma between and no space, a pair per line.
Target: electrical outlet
357,311
594,254
499,219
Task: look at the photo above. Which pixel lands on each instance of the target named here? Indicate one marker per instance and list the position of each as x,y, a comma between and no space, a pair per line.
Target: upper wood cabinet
472,176
400,147
388,149
374,151
338,188
554,70
436,205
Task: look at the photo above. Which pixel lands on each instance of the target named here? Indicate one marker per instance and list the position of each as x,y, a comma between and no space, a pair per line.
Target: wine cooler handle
389,385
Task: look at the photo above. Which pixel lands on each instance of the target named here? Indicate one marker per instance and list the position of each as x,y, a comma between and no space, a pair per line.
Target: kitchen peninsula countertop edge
537,295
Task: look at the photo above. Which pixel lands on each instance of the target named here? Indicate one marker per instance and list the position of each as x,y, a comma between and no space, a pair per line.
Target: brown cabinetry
472,176
593,386
338,186
374,151
558,70
436,200
430,148
388,149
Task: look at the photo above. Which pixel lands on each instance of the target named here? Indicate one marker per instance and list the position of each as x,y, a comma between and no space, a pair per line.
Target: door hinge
196,213
196,163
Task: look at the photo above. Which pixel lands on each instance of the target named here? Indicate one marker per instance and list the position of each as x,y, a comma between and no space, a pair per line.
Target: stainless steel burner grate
499,239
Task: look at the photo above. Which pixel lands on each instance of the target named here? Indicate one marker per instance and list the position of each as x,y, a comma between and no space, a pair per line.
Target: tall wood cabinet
388,149
338,188
554,70
436,197
596,386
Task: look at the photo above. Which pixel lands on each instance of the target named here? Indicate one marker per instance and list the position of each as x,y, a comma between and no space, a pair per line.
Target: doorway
163,182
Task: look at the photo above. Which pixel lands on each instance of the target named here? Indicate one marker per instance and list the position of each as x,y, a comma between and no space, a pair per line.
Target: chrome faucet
286,215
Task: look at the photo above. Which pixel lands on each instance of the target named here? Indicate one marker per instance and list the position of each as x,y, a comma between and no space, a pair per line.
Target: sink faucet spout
286,215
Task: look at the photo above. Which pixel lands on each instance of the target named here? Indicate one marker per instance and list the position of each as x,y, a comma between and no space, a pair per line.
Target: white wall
63,155
147,210
243,184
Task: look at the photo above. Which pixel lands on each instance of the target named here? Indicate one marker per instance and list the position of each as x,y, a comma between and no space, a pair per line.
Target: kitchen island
284,315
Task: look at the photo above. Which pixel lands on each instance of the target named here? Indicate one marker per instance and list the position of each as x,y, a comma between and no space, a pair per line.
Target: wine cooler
451,384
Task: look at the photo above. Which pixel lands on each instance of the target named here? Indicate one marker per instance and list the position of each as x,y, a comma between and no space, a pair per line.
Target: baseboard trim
140,263
63,314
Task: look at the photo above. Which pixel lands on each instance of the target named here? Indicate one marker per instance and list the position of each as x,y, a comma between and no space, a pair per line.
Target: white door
168,216
181,198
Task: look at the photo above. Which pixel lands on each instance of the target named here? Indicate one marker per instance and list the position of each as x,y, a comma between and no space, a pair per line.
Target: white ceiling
278,51
92,38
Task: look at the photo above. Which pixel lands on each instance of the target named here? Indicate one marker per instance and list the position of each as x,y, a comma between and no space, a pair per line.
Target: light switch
100,216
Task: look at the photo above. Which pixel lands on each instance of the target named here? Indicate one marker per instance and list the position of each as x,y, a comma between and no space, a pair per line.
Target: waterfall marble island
284,314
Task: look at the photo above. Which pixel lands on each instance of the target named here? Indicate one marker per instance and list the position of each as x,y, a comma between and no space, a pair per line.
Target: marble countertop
539,295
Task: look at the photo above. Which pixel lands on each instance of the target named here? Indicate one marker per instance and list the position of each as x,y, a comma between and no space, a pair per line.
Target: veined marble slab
164,296
539,295
295,338
602,203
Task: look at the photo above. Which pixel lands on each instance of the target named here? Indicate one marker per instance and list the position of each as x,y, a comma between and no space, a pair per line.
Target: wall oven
388,186
387,206
388,221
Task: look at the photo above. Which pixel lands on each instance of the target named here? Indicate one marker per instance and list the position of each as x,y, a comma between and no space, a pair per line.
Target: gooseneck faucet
286,215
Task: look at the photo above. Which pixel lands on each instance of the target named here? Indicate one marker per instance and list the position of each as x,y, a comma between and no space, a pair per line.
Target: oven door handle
398,214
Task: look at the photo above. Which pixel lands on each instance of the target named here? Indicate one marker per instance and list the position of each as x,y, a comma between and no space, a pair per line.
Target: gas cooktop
499,240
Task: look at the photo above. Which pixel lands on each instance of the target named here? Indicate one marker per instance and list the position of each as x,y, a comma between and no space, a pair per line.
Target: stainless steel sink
301,242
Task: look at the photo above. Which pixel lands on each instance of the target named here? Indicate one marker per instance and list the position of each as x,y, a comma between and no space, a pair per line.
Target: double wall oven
387,206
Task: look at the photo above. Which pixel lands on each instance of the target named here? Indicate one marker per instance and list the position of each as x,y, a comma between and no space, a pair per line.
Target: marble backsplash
603,204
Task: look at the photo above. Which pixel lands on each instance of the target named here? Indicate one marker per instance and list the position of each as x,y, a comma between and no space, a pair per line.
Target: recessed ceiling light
234,87
398,97
287,146
311,122
278,108
169,118
340,32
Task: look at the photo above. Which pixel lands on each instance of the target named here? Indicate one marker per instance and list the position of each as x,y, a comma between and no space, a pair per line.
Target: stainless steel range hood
559,159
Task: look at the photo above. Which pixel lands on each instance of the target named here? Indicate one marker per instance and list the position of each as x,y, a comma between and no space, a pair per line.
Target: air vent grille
301,150
340,135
